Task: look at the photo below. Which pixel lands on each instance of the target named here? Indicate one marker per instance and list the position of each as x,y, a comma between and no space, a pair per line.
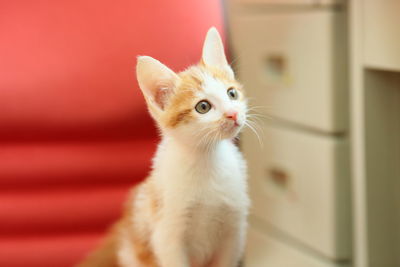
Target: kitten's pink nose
232,115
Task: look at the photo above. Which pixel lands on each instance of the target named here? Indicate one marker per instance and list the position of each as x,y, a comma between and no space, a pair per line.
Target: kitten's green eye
203,107
232,93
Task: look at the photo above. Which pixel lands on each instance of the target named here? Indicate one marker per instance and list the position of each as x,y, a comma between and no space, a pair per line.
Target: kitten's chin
230,131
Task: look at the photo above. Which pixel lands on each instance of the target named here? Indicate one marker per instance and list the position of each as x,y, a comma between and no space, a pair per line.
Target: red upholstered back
74,131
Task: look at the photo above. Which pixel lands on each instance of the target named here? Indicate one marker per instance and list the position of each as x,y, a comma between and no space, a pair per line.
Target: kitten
192,209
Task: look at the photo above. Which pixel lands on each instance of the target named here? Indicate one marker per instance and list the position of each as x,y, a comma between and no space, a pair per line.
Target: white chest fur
206,190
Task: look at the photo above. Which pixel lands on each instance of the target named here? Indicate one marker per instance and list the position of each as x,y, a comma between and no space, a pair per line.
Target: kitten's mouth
236,124
230,125
230,128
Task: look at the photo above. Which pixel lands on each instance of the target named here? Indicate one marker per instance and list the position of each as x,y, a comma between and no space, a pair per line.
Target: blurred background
323,77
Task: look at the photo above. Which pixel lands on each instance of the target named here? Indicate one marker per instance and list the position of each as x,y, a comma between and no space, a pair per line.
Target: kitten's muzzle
232,115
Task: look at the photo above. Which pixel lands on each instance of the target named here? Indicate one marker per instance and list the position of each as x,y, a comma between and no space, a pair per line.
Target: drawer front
300,186
278,2
264,251
293,63
295,3
381,34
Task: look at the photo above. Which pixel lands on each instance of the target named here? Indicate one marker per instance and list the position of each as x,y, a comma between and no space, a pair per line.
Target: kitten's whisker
259,108
213,141
255,132
201,134
207,141
256,123
204,139
257,117
250,111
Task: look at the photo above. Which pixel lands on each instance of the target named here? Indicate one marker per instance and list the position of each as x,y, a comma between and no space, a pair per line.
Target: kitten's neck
192,148
189,153
177,160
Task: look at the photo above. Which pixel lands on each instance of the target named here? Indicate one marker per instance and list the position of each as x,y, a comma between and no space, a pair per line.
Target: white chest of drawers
291,57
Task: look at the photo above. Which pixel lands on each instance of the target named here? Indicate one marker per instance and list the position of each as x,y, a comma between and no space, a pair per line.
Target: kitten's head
202,104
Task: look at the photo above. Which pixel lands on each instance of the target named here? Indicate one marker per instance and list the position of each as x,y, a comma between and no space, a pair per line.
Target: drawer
264,250
296,3
294,64
381,34
300,186
278,2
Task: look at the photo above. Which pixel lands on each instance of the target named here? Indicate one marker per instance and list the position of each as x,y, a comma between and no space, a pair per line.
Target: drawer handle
276,68
279,176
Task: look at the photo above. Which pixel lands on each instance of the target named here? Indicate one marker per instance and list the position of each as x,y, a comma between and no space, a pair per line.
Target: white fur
213,51
205,205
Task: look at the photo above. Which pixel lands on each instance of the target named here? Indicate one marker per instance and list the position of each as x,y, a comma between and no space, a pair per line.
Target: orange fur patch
181,106
142,247
180,117
140,241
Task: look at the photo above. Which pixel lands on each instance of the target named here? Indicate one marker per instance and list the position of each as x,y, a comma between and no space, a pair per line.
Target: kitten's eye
232,93
203,107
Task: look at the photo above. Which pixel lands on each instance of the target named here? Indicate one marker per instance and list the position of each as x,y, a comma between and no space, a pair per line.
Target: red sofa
74,131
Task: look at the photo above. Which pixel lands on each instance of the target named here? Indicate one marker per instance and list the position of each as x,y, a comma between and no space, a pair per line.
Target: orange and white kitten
192,209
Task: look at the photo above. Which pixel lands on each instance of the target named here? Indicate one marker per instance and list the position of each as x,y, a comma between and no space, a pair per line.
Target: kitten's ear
156,81
213,52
